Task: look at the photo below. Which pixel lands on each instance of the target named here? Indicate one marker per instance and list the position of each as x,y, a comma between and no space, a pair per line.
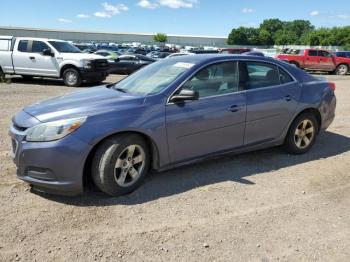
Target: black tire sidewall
79,80
105,159
290,145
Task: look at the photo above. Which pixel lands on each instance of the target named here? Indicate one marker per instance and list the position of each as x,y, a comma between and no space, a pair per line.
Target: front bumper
94,76
53,167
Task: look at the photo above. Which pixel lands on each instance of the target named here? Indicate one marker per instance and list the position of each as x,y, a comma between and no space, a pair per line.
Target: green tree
162,38
284,37
244,36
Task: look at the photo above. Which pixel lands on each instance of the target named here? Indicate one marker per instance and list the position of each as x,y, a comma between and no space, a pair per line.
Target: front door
326,60
213,123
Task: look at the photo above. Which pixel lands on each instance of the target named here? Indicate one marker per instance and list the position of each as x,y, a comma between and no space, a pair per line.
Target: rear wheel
72,77
120,164
342,70
302,134
2,75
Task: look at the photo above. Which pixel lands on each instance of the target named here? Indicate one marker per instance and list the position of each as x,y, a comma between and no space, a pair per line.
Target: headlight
87,64
54,130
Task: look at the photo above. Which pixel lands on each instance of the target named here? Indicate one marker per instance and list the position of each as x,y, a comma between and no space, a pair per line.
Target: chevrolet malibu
170,113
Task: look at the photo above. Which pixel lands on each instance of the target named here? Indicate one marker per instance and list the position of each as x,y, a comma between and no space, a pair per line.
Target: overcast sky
189,17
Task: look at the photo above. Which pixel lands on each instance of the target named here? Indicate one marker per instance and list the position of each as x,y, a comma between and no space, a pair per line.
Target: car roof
205,58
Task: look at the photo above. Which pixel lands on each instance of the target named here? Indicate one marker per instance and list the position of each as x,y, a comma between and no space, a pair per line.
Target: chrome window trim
241,91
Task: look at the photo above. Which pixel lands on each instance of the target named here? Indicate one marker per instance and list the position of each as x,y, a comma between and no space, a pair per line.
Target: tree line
297,32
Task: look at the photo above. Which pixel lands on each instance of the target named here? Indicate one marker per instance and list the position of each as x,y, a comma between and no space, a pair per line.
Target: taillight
331,85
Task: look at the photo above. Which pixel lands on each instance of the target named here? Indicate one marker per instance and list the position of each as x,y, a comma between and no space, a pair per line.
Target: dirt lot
260,206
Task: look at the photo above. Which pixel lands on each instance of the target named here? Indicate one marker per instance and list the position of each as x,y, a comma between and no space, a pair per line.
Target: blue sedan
170,113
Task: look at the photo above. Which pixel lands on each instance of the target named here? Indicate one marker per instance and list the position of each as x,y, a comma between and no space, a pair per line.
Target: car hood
80,56
88,102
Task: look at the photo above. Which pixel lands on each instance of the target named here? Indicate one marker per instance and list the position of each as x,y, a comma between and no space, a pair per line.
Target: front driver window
217,79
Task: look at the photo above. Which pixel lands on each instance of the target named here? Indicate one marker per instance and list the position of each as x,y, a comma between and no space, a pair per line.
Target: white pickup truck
29,57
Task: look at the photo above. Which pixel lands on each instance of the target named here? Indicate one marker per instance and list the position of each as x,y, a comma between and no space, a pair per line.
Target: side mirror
48,52
185,94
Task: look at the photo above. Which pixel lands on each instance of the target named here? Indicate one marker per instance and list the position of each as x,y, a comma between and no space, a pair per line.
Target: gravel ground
260,206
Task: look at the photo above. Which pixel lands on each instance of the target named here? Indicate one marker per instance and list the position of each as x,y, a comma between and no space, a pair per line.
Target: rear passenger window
4,44
285,77
39,47
313,53
257,75
23,46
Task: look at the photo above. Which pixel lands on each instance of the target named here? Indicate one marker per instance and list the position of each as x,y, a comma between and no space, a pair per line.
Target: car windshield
153,78
64,47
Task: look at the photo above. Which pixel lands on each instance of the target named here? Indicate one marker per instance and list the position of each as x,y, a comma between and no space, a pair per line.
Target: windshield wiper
120,89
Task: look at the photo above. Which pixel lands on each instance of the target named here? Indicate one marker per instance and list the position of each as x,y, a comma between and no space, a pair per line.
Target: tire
72,77
113,170
295,64
298,144
342,69
2,75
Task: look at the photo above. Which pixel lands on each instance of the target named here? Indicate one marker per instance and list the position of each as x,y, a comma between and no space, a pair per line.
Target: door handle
31,57
288,98
234,108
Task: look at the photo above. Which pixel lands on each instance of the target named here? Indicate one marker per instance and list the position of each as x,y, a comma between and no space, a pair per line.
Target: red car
318,60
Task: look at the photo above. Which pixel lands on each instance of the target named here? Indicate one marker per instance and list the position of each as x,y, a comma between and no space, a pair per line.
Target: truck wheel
72,77
342,70
120,164
295,64
2,75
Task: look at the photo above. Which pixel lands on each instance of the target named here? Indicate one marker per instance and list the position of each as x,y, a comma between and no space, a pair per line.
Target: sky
182,17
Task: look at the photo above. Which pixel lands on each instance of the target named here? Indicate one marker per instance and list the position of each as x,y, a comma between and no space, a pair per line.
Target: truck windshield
153,78
64,47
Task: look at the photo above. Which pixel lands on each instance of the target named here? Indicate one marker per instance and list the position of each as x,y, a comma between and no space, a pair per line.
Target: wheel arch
296,63
154,154
66,67
311,110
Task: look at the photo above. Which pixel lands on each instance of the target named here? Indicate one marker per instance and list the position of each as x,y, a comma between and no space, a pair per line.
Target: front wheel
120,164
302,134
72,77
342,70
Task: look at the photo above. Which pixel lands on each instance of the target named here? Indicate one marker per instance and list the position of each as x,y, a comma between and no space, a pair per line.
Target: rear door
311,59
272,96
21,59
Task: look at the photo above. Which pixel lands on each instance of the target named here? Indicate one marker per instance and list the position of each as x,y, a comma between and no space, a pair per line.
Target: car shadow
235,168
49,82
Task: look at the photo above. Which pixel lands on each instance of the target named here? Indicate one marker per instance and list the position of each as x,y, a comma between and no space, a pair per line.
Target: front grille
101,64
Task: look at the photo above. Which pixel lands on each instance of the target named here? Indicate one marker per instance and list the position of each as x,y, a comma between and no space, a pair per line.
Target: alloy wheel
304,134
129,165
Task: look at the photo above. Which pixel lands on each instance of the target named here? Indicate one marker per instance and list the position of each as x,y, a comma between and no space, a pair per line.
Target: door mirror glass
185,94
